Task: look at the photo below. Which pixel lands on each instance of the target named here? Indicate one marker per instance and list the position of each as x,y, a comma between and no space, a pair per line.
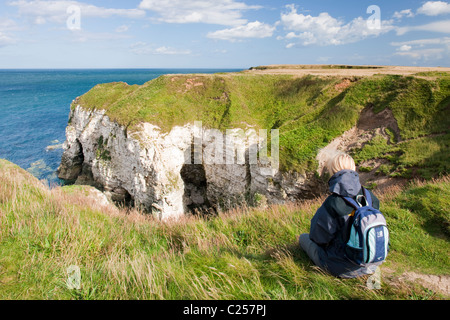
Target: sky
222,33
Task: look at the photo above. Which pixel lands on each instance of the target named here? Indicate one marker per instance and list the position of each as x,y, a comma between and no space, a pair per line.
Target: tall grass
247,253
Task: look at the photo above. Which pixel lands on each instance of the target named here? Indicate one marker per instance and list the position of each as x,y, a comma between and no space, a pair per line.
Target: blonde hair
341,161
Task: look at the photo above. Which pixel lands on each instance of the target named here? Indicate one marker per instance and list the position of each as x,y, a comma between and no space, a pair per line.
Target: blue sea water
34,110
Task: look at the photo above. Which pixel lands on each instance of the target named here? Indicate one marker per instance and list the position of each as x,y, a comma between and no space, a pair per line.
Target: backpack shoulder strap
351,202
367,196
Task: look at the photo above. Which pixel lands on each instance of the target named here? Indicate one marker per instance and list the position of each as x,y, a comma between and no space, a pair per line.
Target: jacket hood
345,183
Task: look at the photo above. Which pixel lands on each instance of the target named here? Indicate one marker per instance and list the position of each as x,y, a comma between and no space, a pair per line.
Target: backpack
368,238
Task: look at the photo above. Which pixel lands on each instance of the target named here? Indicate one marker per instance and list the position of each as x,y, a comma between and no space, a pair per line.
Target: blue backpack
368,238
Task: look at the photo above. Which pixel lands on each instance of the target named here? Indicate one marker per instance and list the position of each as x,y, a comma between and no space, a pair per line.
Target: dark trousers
311,248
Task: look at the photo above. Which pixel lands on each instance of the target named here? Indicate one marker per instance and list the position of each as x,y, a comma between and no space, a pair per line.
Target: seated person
330,225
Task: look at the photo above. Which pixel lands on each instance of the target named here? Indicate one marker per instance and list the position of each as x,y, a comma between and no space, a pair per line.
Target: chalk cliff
162,173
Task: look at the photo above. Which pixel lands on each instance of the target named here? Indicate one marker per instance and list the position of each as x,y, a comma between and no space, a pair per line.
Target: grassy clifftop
244,254
308,110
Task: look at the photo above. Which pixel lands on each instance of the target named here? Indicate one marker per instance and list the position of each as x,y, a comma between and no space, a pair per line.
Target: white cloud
222,12
254,29
290,35
423,49
40,12
222,51
5,40
423,54
404,13
437,26
142,48
434,8
122,28
423,42
6,27
325,30
405,47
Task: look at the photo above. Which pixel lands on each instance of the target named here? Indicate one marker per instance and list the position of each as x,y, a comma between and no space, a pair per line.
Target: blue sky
222,33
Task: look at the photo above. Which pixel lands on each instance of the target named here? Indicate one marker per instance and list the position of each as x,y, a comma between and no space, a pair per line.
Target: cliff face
168,174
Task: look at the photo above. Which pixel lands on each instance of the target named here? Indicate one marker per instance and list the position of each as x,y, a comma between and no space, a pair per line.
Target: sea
34,111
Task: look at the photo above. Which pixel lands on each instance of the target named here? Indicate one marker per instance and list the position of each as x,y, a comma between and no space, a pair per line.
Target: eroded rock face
160,172
369,125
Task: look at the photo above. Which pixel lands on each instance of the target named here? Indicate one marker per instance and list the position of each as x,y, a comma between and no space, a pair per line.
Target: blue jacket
330,224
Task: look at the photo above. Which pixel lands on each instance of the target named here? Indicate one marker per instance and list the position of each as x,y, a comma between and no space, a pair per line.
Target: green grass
419,221
420,106
376,148
424,157
433,74
248,253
